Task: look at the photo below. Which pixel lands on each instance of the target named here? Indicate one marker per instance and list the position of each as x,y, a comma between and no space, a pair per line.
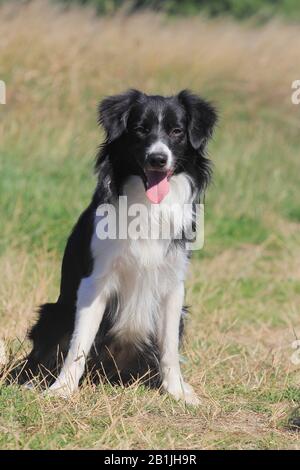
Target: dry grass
244,287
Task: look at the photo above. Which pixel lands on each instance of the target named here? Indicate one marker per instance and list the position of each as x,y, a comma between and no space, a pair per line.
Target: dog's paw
190,396
60,389
58,393
181,390
28,386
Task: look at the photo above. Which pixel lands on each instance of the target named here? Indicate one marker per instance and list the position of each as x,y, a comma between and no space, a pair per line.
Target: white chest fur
142,271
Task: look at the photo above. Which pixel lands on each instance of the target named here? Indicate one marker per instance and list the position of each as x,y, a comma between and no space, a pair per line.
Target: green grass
244,287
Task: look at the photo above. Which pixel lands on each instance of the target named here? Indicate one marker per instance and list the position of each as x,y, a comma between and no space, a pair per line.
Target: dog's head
156,137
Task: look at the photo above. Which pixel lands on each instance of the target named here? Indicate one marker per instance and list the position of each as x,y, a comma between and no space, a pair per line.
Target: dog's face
154,136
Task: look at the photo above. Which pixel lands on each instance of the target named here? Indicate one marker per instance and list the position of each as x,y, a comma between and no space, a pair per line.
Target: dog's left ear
114,111
202,117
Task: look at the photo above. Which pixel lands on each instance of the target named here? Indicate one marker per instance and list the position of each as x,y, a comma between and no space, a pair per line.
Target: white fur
149,282
161,147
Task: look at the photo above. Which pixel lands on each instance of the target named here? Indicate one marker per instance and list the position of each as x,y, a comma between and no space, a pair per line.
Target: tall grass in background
262,9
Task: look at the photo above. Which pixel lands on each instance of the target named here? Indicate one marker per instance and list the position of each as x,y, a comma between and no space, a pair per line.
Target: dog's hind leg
50,337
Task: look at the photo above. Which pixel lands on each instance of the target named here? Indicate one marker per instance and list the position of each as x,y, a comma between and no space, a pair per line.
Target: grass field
244,287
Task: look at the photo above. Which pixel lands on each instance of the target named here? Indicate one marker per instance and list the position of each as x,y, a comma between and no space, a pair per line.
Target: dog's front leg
91,303
172,380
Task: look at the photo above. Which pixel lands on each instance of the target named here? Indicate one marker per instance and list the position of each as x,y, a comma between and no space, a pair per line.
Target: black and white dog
121,301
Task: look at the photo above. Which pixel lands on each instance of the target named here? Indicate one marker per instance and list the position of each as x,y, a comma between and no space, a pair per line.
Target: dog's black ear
114,111
202,117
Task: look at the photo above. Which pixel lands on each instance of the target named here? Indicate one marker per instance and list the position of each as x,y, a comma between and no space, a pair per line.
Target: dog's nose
157,160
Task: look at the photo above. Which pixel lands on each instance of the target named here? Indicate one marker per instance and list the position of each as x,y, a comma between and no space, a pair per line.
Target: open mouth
157,184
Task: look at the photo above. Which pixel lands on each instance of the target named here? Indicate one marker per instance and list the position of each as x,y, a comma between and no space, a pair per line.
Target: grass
244,287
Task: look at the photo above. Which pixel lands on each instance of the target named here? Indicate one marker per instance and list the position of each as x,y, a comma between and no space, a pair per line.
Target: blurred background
261,9
58,59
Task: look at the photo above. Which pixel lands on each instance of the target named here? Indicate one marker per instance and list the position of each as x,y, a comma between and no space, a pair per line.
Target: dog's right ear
114,111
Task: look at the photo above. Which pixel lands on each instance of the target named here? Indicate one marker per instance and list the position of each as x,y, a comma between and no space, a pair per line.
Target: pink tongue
158,185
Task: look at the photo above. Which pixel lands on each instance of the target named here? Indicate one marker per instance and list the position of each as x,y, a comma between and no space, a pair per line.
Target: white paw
60,389
181,390
28,386
190,396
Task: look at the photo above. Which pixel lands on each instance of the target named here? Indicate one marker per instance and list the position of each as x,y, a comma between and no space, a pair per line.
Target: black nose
157,160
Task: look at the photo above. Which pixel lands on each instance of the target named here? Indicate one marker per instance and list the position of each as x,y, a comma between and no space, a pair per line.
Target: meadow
244,286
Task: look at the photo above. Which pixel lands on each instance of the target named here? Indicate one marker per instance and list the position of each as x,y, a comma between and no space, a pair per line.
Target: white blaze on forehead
160,147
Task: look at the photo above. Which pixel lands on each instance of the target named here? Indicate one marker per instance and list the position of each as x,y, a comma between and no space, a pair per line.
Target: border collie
120,310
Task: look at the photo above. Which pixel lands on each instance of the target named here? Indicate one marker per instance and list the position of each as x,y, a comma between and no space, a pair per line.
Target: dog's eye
142,130
177,132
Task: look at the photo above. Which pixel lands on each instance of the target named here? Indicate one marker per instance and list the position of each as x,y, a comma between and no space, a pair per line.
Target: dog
120,310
